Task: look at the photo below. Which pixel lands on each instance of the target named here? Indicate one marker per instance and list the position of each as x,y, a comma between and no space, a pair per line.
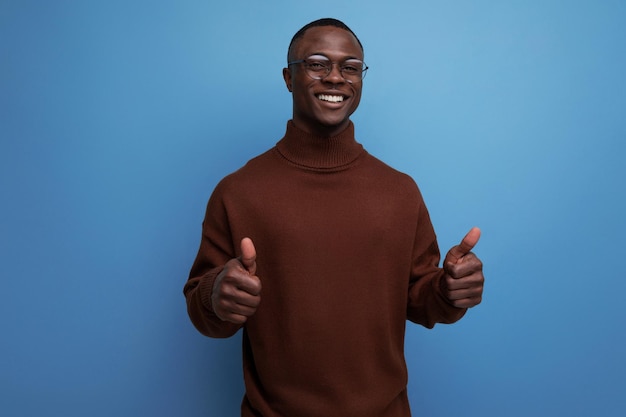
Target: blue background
117,119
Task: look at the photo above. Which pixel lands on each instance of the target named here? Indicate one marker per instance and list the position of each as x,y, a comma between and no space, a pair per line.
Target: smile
332,99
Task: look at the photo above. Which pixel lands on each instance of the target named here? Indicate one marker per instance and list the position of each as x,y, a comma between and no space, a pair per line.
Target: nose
335,76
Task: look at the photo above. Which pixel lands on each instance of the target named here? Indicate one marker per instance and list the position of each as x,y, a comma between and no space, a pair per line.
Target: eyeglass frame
330,69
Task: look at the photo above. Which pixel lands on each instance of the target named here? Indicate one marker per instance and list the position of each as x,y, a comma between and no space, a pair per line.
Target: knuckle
221,305
451,268
237,319
225,291
451,284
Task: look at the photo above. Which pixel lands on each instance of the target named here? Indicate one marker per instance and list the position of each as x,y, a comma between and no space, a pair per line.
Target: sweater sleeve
426,303
216,248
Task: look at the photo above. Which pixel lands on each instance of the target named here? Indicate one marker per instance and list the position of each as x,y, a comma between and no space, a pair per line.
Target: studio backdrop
118,118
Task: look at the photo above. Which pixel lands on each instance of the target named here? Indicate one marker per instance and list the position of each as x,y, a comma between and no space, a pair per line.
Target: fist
237,290
462,283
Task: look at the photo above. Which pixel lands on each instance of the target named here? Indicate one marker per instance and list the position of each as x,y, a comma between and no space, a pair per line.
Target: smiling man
320,253
325,73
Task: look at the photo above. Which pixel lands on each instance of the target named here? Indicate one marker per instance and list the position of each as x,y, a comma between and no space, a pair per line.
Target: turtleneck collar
319,153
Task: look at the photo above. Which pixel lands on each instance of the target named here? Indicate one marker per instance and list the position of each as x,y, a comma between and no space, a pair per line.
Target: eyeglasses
319,67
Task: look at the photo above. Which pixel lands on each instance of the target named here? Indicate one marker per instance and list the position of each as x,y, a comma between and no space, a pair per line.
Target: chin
334,122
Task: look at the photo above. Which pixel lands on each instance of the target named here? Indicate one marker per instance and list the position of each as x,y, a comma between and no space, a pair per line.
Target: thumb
248,255
467,244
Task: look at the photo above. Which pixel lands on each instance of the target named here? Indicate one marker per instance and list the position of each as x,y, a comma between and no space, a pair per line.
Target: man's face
317,108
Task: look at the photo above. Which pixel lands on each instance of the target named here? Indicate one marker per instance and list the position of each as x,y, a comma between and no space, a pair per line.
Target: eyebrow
342,59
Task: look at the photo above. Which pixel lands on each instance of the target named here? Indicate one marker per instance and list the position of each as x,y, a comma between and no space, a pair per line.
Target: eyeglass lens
319,67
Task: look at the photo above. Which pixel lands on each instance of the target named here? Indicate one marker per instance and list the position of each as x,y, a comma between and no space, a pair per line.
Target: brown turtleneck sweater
346,253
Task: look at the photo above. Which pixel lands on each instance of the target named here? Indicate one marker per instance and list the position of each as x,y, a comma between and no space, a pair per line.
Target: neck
321,131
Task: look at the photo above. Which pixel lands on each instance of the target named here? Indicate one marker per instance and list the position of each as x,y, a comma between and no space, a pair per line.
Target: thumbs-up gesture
237,290
463,281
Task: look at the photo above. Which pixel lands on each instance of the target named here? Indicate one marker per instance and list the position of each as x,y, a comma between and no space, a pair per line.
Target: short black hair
327,21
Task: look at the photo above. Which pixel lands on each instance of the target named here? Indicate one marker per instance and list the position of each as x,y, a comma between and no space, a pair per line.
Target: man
321,252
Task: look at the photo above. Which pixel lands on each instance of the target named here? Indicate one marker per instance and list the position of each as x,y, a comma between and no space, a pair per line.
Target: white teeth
332,99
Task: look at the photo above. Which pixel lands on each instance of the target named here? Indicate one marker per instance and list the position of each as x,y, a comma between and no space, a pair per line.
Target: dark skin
237,289
463,281
319,117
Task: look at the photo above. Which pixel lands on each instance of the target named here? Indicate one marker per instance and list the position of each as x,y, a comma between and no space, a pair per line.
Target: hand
237,290
463,281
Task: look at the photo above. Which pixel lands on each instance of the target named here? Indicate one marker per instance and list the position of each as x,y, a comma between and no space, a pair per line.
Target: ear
287,78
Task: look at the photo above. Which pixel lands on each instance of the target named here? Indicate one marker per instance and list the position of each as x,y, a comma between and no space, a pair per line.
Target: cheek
303,93
299,86
357,97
